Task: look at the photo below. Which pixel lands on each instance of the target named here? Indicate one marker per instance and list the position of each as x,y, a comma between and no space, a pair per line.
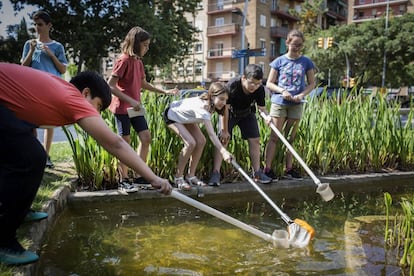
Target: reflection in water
166,237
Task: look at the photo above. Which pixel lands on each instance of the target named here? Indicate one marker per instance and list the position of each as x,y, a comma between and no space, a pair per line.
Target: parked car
185,93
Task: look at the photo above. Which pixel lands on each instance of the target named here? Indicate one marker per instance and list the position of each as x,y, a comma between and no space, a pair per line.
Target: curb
339,183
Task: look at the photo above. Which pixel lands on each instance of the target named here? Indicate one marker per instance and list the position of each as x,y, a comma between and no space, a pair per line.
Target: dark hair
253,71
132,42
98,86
215,89
42,15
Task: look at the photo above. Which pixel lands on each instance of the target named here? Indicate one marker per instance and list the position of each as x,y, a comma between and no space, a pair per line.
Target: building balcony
283,14
227,29
360,4
221,76
279,32
220,7
220,53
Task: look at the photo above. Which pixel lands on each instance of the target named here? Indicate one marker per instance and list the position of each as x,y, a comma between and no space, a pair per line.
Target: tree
89,29
11,47
364,45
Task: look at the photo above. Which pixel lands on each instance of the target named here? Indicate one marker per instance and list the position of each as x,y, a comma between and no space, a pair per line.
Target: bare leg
123,167
200,141
187,150
254,151
292,127
271,144
48,138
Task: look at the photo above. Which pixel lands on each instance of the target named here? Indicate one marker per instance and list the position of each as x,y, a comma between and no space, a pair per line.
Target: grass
53,179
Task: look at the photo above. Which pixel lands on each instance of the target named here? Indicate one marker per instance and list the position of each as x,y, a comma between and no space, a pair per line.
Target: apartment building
257,28
365,10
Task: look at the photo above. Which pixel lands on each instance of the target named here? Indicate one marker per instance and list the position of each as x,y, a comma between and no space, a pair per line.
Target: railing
279,31
223,75
226,29
220,53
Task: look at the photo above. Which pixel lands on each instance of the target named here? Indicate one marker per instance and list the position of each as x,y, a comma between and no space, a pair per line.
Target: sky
8,16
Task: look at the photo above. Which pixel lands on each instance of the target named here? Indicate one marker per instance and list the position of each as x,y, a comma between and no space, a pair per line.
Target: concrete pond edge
64,196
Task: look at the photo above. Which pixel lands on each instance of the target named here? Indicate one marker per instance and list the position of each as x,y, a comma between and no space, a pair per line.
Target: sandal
181,184
195,181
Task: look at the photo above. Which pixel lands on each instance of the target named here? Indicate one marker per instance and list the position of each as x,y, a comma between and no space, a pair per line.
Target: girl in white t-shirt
184,117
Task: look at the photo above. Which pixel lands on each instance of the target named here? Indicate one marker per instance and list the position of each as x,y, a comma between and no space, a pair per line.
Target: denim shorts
286,111
124,123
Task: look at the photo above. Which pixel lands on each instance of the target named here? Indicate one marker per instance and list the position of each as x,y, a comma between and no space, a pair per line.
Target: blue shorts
248,126
123,123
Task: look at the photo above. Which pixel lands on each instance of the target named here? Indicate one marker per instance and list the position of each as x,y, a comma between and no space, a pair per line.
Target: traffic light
330,41
351,82
320,42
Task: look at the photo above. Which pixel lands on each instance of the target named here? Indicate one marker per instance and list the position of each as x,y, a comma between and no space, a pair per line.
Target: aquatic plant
403,233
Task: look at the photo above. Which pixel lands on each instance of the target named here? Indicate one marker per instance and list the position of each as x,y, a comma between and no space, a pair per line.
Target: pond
163,236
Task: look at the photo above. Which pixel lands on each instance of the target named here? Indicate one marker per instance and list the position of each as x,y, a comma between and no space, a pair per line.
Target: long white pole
220,215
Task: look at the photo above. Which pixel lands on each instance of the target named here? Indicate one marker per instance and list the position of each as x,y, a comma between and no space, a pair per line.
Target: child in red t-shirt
31,98
126,81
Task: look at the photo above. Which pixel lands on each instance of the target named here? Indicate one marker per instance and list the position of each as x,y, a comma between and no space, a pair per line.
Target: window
220,4
274,5
220,47
262,43
272,49
198,47
263,20
273,22
220,21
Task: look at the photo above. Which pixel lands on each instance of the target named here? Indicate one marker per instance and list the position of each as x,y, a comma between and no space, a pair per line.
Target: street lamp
242,60
384,66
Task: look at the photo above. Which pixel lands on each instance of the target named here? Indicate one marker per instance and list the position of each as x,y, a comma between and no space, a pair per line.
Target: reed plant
350,134
401,235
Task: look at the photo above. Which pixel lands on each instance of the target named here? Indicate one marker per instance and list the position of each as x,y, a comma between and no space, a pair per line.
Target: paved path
58,136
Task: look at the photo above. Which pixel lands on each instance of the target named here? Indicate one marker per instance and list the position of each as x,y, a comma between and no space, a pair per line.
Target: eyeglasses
300,45
254,83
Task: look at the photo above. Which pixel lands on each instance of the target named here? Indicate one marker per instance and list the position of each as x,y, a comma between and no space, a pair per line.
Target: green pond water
166,237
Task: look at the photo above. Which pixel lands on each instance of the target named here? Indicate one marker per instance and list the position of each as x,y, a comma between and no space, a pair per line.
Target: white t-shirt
189,111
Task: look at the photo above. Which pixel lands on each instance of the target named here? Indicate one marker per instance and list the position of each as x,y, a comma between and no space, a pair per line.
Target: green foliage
365,43
356,134
89,29
403,232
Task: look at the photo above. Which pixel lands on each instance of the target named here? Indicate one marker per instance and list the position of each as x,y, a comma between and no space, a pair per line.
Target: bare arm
310,77
59,65
216,142
96,127
27,61
150,87
224,123
113,80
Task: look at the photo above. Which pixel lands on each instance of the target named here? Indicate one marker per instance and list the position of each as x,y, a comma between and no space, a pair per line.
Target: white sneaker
127,187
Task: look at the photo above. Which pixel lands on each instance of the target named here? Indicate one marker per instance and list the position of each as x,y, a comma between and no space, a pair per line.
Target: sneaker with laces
292,174
49,163
142,183
214,179
125,186
261,177
15,254
271,174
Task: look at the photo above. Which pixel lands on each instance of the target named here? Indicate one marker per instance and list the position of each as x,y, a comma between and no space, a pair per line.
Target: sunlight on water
165,237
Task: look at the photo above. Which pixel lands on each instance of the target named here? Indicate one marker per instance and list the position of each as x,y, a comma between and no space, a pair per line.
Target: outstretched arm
97,128
213,137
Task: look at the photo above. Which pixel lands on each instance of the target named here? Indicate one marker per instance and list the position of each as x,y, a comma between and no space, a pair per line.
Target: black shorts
248,126
123,123
165,117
